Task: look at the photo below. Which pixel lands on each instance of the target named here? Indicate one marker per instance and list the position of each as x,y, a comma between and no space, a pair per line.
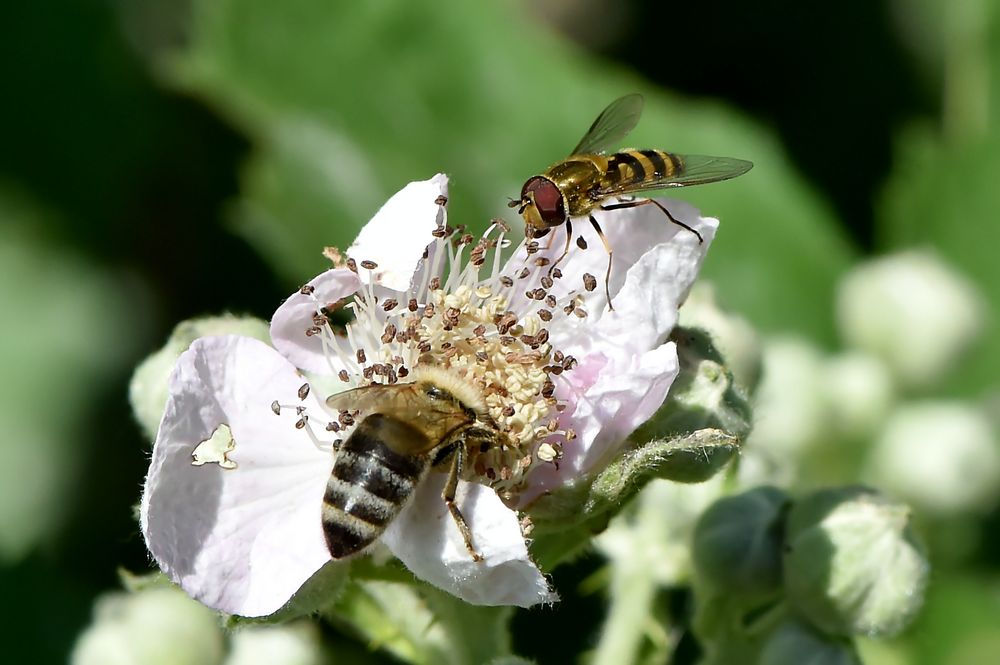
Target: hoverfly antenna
513,203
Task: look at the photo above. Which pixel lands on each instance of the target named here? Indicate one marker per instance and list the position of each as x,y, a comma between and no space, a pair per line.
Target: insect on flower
581,183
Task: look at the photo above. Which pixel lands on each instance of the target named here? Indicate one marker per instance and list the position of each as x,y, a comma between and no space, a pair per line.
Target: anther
550,300
589,281
390,304
545,315
507,281
301,422
547,282
441,200
581,243
389,333
276,408
362,358
342,374
352,265
369,265
434,284
307,290
412,305
304,391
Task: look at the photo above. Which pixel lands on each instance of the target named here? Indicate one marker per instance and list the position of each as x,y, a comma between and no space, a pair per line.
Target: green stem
632,591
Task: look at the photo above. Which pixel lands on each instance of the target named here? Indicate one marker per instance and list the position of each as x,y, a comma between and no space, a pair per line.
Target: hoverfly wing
615,122
690,170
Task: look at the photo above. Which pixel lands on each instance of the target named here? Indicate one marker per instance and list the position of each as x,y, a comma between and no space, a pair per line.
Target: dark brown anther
333,426
345,418
524,273
403,372
542,261
362,358
570,434
558,356
412,305
556,273
569,363
506,322
379,369
439,232
307,290
547,282
542,336
390,304
589,281
352,265
343,375
528,340
429,310
304,391
536,294
550,300
507,281
581,243
276,408
511,357
466,239
531,247
389,333
482,356
506,340
548,389
391,376
552,425
479,330
544,314
315,330
441,200
580,312
434,284
369,265
424,347
446,345
452,315
508,411
501,224
402,336
301,422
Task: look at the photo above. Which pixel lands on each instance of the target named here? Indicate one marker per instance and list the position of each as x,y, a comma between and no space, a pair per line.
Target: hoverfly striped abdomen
370,483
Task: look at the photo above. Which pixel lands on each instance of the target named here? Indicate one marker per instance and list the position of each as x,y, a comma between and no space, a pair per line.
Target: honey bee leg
450,487
607,248
643,202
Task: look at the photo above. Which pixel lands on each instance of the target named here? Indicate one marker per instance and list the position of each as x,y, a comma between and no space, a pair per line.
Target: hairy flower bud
795,643
913,311
944,457
735,338
156,626
737,542
852,565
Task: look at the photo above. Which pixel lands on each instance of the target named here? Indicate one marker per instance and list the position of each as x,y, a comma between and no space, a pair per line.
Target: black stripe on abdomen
658,163
633,172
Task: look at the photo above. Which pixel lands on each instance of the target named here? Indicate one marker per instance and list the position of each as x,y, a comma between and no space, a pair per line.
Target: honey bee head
541,204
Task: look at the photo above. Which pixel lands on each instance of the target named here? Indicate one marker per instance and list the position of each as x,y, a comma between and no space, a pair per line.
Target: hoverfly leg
569,237
642,202
448,494
607,248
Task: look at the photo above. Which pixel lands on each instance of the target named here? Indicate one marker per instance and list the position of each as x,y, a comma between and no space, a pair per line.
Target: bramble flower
233,501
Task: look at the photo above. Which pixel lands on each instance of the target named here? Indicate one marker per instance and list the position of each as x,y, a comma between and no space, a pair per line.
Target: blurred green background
161,160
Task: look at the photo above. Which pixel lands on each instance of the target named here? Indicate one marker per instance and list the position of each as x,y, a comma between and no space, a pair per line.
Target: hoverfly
406,430
579,184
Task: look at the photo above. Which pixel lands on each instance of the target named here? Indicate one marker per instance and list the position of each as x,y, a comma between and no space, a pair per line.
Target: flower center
466,325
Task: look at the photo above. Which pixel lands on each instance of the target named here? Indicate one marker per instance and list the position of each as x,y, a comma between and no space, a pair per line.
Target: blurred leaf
944,191
69,324
348,102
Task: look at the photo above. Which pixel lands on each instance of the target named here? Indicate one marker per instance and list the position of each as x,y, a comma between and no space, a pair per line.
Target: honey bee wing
690,170
611,126
366,398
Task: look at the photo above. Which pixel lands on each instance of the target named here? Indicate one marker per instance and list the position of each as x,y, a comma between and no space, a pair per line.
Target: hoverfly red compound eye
548,200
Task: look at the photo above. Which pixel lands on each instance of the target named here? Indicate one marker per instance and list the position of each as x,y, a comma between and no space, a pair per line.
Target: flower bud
913,311
942,456
735,338
148,388
737,542
286,644
852,564
793,642
703,395
860,393
157,626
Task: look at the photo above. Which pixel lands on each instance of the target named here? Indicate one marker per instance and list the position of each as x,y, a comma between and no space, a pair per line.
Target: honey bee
579,184
406,430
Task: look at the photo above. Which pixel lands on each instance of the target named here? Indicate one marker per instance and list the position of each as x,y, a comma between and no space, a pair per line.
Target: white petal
657,282
240,540
608,395
398,234
426,539
295,316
